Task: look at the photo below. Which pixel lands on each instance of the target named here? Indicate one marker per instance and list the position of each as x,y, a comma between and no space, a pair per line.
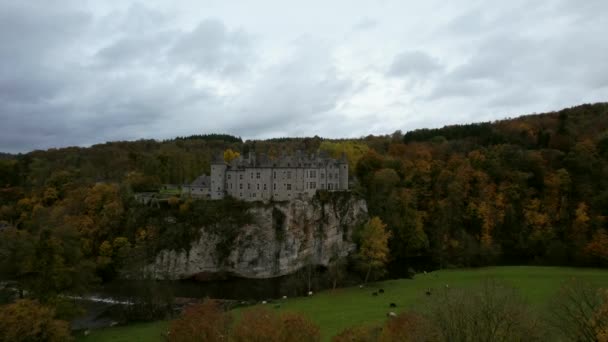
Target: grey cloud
78,72
212,47
413,63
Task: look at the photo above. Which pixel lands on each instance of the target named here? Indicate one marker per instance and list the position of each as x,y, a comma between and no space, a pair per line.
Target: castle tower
218,177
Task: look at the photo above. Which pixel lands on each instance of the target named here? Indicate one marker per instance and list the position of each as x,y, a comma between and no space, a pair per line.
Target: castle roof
298,159
202,181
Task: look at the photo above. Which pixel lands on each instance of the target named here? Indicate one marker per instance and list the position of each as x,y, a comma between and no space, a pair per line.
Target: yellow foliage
374,249
230,155
353,150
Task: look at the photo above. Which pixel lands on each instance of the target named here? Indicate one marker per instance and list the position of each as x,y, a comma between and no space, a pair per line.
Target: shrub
297,328
203,322
358,334
27,320
580,312
263,325
490,312
257,325
409,327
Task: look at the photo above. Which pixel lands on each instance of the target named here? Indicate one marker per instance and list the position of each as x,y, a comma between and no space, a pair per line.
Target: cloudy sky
81,72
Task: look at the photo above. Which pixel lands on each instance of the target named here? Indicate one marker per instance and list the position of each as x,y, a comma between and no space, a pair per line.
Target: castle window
240,194
274,174
257,175
252,175
258,186
313,185
248,186
322,186
241,186
265,186
230,186
330,176
254,194
228,176
322,175
288,174
241,176
329,186
288,186
274,186
312,173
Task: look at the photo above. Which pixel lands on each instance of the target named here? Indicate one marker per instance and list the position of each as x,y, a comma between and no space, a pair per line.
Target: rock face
282,238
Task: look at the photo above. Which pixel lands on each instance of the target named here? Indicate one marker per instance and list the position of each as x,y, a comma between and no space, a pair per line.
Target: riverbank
336,310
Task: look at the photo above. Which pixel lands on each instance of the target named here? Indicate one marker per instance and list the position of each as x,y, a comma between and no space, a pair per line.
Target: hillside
528,190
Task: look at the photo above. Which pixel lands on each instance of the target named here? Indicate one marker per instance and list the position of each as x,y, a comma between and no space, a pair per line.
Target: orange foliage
408,327
358,334
26,320
204,322
598,246
263,325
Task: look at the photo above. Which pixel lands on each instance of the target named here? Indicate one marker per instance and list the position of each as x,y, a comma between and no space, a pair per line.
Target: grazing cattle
263,302
86,333
391,314
284,297
381,291
360,286
392,305
310,293
374,294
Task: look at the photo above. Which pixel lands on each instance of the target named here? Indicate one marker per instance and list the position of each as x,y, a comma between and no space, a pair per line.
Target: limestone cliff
281,238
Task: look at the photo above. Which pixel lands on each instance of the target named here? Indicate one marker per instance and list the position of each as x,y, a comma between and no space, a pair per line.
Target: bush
204,322
263,325
490,312
409,327
27,320
580,312
297,328
358,334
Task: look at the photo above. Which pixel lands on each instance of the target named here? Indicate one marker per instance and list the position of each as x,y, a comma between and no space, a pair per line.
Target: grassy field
337,310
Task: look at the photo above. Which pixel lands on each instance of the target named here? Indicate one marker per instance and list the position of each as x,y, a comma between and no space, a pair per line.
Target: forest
524,191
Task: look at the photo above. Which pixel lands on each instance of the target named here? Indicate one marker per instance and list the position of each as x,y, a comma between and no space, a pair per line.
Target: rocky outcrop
281,238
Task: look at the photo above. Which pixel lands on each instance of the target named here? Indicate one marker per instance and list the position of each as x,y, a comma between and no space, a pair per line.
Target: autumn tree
373,249
230,155
27,320
597,248
580,228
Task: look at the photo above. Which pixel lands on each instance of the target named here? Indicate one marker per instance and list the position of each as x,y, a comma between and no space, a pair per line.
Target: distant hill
6,155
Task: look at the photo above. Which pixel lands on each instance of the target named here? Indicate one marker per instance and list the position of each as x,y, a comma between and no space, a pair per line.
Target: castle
264,179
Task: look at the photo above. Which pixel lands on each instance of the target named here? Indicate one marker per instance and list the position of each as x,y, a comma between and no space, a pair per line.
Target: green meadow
336,310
